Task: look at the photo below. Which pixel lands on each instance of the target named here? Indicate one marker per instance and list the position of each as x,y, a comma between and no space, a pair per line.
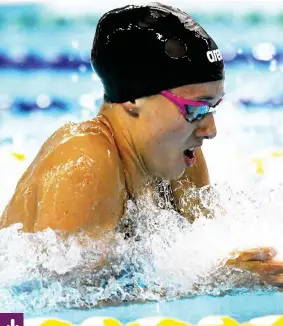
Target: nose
206,127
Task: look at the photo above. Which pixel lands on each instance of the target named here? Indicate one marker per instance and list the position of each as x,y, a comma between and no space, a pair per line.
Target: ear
131,108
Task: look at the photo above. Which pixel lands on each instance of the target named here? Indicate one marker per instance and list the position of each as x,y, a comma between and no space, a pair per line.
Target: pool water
44,63
241,307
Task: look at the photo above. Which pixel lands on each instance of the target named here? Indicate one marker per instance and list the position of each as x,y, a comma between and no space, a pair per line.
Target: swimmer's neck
122,127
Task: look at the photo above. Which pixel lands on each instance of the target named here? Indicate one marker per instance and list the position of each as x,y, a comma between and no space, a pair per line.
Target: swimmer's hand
261,262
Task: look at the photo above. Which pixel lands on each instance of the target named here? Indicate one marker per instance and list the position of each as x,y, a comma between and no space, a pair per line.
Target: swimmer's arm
185,190
81,188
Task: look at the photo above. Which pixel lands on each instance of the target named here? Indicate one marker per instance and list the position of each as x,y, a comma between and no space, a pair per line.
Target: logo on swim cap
214,55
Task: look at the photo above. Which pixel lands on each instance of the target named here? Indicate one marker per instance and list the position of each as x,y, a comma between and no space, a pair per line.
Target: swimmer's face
165,134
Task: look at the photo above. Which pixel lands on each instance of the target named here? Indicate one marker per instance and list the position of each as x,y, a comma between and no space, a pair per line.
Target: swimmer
163,77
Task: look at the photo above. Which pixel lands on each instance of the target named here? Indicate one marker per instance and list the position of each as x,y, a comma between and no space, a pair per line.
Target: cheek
164,119
166,133
177,132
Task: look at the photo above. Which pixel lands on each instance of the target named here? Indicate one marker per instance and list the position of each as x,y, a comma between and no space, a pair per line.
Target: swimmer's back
75,182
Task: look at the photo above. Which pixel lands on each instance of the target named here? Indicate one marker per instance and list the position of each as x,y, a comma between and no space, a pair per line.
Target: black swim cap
139,51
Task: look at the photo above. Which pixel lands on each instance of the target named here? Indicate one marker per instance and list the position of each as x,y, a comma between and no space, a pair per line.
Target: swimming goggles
191,110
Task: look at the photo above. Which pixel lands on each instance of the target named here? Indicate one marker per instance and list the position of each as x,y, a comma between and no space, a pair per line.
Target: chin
173,174
178,175
173,170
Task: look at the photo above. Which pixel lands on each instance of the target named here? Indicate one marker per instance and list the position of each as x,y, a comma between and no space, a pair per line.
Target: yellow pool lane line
271,320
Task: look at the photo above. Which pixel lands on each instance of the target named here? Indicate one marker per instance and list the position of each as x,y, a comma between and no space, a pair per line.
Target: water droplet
264,51
43,101
82,68
75,78
75,44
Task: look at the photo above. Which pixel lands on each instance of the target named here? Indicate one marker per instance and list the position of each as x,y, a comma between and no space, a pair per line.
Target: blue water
241,307
47,81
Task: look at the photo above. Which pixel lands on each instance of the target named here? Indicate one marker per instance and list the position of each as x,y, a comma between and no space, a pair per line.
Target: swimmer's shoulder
79,167
88,146
92,139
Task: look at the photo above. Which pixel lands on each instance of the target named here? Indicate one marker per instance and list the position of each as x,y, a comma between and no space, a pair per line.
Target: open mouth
189,156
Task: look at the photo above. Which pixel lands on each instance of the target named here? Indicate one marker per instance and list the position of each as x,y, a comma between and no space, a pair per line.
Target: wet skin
84,173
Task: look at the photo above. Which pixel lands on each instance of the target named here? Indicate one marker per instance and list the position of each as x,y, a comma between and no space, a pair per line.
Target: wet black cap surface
141,50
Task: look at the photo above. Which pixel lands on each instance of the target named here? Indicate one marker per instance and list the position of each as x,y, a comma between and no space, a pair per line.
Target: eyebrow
207,98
